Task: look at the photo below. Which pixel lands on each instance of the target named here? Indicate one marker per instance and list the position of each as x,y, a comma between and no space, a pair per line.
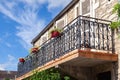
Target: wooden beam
98,55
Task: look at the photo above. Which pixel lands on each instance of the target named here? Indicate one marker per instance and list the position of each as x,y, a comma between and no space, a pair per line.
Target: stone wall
88,73
70,15
37,43
104,9
117,51
104,68
41,40
79,73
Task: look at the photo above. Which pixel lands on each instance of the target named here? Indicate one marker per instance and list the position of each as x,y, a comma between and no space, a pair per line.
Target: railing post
43,55
54,50
79,33
113,42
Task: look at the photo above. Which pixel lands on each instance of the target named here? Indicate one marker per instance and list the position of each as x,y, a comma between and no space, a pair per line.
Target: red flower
21,60
34,50
55,34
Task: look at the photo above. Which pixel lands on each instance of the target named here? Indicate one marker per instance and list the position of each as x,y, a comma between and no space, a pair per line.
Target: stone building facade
101,9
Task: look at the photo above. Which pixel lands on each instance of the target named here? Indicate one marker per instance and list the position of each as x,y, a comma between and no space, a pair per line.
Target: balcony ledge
80,57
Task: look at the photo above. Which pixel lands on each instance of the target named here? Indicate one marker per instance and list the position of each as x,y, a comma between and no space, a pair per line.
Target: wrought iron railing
82,32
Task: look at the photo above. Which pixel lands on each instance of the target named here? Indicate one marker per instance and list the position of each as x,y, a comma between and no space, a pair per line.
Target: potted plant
22,60
34,50
55,32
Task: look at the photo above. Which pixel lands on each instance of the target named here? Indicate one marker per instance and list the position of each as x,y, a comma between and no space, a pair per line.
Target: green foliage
7,79
55,29
67,78
50,74
116,9
115,25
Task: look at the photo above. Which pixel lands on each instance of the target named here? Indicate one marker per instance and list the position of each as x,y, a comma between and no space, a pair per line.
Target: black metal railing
82,32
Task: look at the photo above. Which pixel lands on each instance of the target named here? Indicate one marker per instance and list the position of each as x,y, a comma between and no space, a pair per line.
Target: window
60,23
86,7
70,15
77,11
44,39
96,1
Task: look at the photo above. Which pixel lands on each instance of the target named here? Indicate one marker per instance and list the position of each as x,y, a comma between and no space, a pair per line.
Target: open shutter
44,39
60,23
85,7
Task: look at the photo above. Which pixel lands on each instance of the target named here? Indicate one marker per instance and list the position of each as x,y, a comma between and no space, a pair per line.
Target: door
87,9
104,76
85,6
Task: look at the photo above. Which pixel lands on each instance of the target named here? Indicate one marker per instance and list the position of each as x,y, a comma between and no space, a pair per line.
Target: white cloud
55,3
2,68
27,16
34,3
10,57
10,64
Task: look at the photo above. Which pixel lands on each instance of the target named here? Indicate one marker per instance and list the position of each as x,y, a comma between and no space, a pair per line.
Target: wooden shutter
60,24
85,7
44,39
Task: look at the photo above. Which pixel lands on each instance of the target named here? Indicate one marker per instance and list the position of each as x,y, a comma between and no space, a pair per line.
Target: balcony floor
87,58
79,57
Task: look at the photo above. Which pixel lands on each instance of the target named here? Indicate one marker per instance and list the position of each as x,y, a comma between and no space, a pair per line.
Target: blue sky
20,22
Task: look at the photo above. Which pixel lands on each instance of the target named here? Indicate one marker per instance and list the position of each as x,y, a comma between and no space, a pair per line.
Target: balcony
85,39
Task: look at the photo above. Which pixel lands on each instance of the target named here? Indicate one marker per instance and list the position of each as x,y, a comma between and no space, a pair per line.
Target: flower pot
21,60
55,34
34,50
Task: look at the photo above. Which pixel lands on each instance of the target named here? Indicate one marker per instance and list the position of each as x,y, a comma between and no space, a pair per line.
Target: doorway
104,76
